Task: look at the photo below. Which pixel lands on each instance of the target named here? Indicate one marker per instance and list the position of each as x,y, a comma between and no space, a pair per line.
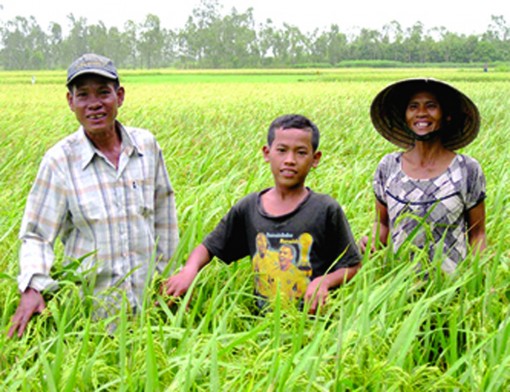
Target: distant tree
213,39
235,40
98,38
77,42
265,38
298,44
498,28
485,51
197,41
337,45
55,39
412,43
130,43
498,35
286,46
170,48
151,41
367,45
24,44
392,41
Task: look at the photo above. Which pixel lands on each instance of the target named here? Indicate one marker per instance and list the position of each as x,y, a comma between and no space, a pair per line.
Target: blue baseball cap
91,63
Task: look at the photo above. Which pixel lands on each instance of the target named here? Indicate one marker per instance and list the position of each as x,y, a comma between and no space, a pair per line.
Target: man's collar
89,151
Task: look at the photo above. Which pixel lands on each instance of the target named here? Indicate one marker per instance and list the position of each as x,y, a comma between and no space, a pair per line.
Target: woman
428,191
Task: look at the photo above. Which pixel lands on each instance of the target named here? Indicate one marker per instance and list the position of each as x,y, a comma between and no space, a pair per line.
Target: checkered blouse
442,201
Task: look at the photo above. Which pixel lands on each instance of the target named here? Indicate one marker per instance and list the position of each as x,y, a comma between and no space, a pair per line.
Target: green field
386,330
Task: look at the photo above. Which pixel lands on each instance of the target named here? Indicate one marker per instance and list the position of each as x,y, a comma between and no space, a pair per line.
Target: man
105,190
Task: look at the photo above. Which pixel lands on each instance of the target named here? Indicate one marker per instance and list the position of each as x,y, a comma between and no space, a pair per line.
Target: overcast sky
460,16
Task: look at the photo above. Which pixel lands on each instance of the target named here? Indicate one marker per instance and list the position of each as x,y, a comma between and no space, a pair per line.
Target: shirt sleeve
347,248
228,241
380,178
166,228
475,184
44,214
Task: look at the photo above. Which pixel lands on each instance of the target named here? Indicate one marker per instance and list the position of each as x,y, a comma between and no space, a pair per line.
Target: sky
459,16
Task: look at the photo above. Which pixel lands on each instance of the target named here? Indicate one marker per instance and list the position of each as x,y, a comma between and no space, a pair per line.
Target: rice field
387,330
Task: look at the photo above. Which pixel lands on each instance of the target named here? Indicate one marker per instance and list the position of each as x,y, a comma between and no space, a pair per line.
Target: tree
210,39
151,41
236,40
367,45
392,41
197,41
76,43
412,43
55,39
98,38
129,41
498,28
24,44
498,34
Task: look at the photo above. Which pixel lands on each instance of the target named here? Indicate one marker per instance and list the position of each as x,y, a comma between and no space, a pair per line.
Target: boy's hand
31,302
363,242
316,294
178,284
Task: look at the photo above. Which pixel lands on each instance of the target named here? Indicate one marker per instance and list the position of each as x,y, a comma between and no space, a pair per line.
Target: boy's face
95,103
291,157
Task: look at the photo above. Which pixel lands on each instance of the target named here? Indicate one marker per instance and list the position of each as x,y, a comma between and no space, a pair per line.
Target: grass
386,330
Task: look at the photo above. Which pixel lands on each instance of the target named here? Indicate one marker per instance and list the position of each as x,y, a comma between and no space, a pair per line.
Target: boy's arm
178,284
318,289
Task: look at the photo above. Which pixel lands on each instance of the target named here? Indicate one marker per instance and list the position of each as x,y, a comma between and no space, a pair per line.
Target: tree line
212,39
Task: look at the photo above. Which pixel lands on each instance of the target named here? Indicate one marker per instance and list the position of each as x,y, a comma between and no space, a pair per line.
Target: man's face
95,103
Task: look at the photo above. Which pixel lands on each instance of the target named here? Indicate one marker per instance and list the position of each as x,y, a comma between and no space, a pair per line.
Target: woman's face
423,113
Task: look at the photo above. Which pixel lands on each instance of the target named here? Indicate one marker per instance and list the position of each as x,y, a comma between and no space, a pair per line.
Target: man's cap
388,112
91,63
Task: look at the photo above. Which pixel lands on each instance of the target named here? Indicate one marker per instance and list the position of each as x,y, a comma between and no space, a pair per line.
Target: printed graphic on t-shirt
282,262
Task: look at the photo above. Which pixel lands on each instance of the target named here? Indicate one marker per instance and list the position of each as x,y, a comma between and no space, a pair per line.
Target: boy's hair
76,82
296,121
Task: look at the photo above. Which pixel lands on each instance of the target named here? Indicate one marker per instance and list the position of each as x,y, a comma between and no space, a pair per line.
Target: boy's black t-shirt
289,250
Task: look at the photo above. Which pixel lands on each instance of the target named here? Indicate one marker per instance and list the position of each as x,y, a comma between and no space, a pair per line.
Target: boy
293,234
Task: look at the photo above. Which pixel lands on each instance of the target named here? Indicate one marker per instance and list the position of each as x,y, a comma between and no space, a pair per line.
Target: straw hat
388,112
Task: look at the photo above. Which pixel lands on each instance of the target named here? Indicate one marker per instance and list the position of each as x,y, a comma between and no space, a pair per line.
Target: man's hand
316,294
31,302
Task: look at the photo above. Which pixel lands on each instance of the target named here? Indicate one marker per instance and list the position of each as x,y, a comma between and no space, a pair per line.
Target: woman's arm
380,229
476,227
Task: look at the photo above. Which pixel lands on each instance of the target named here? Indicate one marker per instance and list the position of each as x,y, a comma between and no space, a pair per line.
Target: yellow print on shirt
286,269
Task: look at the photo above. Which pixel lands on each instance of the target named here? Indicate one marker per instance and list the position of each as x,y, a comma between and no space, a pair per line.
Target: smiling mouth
288,172
96,116
422,125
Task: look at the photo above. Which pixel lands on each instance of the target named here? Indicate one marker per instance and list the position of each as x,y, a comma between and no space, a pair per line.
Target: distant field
386,330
